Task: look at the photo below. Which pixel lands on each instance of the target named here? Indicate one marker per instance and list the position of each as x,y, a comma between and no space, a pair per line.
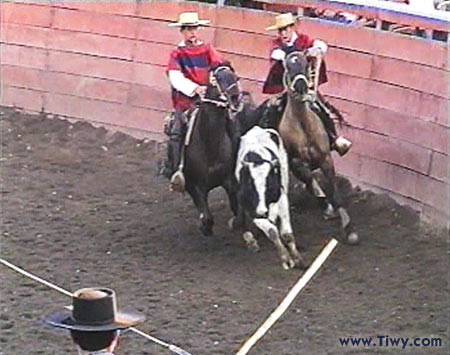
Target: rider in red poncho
290,40
188,73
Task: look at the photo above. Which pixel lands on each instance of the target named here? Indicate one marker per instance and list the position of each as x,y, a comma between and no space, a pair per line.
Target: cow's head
260,182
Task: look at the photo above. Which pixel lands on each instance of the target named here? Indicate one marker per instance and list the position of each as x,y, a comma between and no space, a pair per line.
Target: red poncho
274,81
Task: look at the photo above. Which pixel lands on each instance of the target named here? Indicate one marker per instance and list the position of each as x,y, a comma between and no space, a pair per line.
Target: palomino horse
307,142
209,150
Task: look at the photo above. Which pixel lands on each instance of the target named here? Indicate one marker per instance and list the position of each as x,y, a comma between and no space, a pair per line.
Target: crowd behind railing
443,5
425,7
429,8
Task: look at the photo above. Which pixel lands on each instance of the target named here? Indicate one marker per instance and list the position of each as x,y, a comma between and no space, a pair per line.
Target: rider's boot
338,143
341,145
176,141
177,180
166,166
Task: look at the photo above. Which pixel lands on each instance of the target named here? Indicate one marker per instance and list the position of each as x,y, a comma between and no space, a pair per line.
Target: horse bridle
224,98
290,84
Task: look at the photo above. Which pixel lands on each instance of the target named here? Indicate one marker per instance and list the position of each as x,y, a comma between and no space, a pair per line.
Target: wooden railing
384,15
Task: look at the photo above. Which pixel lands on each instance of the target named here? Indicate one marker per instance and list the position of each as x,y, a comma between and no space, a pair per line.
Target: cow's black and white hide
262,173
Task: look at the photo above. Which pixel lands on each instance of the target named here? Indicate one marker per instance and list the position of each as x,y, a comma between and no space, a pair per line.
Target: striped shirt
188,68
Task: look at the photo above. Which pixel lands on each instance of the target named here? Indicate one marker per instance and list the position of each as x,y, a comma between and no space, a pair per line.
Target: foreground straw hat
93,310
282,21
189,19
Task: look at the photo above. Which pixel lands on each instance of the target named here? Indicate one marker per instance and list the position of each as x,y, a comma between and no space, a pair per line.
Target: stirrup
342,145
165,171
177,182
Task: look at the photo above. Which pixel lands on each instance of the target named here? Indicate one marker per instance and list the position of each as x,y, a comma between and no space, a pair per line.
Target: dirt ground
84,207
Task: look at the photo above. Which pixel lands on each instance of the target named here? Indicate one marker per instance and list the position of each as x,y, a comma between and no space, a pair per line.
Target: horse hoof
287,262
300,263
177,182
353,239
290,264
251,242
206,231
330,213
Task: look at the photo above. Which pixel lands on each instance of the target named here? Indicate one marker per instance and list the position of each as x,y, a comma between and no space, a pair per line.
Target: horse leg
200,198
231,191
270,230
302,171
238,222
286,232
335,197
250,241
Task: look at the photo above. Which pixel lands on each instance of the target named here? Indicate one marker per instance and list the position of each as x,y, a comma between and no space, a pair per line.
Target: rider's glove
314,52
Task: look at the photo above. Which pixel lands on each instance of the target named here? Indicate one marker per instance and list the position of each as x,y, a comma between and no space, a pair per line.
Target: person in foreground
94,322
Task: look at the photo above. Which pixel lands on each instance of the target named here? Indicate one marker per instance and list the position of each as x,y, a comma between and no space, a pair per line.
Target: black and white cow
262,172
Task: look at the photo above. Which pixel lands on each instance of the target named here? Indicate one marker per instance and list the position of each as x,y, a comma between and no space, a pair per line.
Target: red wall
105,63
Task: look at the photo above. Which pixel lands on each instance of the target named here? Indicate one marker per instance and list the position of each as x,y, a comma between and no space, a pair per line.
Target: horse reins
225,103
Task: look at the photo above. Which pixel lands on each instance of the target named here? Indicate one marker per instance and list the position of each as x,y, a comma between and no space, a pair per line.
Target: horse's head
224,85
296,76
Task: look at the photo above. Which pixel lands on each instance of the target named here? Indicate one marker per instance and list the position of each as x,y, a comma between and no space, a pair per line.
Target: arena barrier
105,63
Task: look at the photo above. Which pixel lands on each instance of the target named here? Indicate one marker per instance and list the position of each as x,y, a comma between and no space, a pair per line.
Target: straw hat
282,21
93,310
189,19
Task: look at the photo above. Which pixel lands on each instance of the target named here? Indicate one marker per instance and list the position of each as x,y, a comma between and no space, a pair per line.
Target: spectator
94,323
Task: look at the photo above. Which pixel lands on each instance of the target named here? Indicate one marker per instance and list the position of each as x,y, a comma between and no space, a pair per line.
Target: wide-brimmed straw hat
282,21
93,310
189,19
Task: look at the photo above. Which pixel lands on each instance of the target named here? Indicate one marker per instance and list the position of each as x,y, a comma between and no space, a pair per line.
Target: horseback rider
287,41
188,73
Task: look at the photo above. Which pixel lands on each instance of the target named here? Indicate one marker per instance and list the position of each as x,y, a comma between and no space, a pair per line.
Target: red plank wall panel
90,22
105,63
28,57
27,14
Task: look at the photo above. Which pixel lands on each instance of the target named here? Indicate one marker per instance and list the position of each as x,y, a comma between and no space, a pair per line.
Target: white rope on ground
283,306
35,278
175,349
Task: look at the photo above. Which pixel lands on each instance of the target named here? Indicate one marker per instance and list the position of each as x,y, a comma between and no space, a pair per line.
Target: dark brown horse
209,152
307,141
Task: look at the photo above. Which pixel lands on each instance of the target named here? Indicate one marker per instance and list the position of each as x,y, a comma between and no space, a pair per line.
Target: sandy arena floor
84,207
